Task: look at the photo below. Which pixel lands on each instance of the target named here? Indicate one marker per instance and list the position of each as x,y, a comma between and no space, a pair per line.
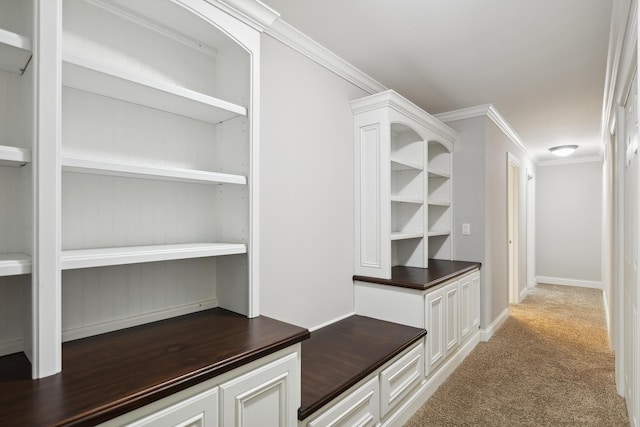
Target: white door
513,215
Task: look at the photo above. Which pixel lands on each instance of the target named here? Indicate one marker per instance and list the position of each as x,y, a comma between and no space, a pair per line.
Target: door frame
513,227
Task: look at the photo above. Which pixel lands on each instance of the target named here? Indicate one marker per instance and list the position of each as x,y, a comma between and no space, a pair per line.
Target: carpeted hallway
548,365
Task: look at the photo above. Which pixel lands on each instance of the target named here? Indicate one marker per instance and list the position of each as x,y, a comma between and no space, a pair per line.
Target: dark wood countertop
337,356
439,271
107,375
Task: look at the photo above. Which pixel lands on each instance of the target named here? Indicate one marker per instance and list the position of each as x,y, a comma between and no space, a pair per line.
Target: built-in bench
340,359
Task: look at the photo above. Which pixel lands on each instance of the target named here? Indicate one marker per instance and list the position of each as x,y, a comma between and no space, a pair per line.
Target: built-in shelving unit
15,51
17,136
403,200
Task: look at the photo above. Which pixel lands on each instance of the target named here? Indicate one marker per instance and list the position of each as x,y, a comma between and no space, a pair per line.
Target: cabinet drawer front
200,410
263,397
360,408
401,378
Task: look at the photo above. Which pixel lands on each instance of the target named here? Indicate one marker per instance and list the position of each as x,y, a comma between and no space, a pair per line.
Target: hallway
549,364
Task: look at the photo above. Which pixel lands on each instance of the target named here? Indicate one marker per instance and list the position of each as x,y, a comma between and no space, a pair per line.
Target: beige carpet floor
548,365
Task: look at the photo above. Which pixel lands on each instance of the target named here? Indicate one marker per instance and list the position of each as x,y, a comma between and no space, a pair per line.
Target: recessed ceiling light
563,150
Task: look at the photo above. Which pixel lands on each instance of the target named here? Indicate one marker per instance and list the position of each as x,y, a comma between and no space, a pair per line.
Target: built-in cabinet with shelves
402,187
17,135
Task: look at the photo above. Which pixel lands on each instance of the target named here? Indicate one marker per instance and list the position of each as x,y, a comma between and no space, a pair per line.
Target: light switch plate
466,229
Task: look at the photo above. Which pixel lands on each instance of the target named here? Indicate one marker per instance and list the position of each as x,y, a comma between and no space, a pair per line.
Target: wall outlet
466,229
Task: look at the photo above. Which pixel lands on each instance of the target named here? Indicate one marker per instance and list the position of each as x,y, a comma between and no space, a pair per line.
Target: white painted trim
524,293
254,13
330,322
128,322
568,282
490,111
571,160
607,315
420,397
487,333
303,44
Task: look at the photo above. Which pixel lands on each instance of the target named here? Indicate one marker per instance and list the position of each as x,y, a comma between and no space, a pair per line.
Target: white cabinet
442,324
267,396
400,379
360,407
402,189
265,392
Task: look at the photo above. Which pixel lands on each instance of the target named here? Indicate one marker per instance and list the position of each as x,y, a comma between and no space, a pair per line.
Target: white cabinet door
452,307
401,378
266,396
360,408
465,290
434,325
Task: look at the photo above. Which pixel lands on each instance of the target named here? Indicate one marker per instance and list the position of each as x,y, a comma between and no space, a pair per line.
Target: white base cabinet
265,392
377,399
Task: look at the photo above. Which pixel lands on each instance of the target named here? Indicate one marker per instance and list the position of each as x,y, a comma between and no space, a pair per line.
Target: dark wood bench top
439,271
111,374
337,356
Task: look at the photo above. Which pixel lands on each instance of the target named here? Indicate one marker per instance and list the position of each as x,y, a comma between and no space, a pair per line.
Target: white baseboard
524,294
11,346
569,282
420,397
486,334
607,318
315,328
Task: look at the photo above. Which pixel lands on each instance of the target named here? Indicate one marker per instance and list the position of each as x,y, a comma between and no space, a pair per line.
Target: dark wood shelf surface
337,356
107,375
439,271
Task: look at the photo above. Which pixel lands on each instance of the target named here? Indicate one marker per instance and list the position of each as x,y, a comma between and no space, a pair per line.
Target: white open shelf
103,80
434,233
12,264
403,235
130,170
14,156
439,203
15,51
86,258
403,165
439,174
401,199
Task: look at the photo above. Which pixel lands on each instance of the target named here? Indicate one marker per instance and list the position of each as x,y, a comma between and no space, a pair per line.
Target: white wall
306,189
568,224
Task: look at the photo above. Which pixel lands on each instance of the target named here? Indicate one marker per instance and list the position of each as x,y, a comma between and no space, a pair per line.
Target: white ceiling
541,63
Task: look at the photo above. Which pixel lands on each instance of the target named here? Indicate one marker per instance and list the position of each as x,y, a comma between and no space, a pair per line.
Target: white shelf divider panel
407,235
439,203
130,170
87,258
14,156
439,174
88,76
400,199
12,264
434,233
15,51
402,165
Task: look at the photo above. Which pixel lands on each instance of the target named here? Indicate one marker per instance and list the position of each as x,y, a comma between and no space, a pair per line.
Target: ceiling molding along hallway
313,50
490,111
570,160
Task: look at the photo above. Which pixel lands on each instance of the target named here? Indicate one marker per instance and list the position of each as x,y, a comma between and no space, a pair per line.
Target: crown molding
252,12
313,50
394,100
492,113
571,161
